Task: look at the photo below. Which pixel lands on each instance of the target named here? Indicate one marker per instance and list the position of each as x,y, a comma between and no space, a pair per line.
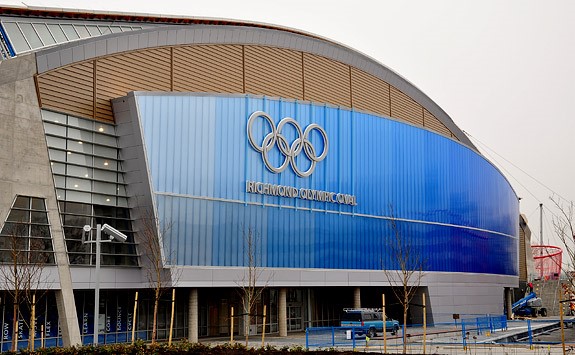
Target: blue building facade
434,191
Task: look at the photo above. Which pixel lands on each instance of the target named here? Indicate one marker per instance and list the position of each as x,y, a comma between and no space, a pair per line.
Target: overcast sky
503,70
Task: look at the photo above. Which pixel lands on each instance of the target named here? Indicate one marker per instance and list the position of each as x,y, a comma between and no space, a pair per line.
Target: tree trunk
247,324
15,309
405,309
15,325
155,320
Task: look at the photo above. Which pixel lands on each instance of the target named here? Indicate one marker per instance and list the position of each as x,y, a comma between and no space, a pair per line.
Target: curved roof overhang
190,31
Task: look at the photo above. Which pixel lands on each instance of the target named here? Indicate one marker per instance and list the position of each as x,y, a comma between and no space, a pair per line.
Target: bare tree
564,227
160,276
407,278
250,291
22,273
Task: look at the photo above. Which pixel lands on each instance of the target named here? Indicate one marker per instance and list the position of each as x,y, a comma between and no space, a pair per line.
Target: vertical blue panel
450,202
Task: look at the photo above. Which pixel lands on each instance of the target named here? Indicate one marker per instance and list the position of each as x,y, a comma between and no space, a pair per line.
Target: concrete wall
25,170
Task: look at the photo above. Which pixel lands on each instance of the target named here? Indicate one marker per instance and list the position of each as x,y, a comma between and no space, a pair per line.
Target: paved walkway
445,339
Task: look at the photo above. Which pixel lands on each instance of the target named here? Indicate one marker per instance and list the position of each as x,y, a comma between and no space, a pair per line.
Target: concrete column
356,297
193,328
509,302
282,312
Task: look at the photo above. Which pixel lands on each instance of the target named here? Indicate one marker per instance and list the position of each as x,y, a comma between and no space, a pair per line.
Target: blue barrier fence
352,337
482,324
328,337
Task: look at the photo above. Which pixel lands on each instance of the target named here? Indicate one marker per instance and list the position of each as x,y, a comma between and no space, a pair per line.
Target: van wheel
543,312
372,333
394,330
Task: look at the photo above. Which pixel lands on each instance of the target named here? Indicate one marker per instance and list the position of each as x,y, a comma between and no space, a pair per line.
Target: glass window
54,129
80,135
60,181
82,31
126,28
115,29
105,128
57,33
54,142
104,139
104,211
18,235
80,159
122,202
70,32
79,146
31,35
79,171
54,117
40,231
74,233
79,221
22,202
105,175
105,164
93,30
58,168
60,194
44,33
78,184
106,151
14,242
104,200
38,204
104,188
105,30
12,229
57,155
78,196
39,217
19,216
77,208
121,190
16,37
80,123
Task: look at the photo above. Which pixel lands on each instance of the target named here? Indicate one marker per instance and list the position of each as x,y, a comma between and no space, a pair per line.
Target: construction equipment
529,306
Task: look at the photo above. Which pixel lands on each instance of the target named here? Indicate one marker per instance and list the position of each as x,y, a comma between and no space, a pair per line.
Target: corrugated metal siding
431,122
403,107
147,70
369,93
326,81
200,160
522,256
69,89
274,72
216,68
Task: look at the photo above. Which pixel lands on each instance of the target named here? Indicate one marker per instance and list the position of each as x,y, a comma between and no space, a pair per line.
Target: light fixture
75,185
80,142
101,129
107,200
69,153
106,163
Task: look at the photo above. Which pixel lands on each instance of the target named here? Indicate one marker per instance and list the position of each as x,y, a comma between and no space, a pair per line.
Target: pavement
446,339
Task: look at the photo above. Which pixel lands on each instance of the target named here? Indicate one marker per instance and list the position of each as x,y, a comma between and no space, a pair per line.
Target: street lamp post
114,234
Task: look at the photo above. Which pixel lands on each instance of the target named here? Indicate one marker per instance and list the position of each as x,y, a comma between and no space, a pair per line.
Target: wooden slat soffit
85,89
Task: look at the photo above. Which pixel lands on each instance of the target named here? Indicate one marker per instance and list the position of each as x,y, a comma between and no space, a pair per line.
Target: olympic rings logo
289,151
